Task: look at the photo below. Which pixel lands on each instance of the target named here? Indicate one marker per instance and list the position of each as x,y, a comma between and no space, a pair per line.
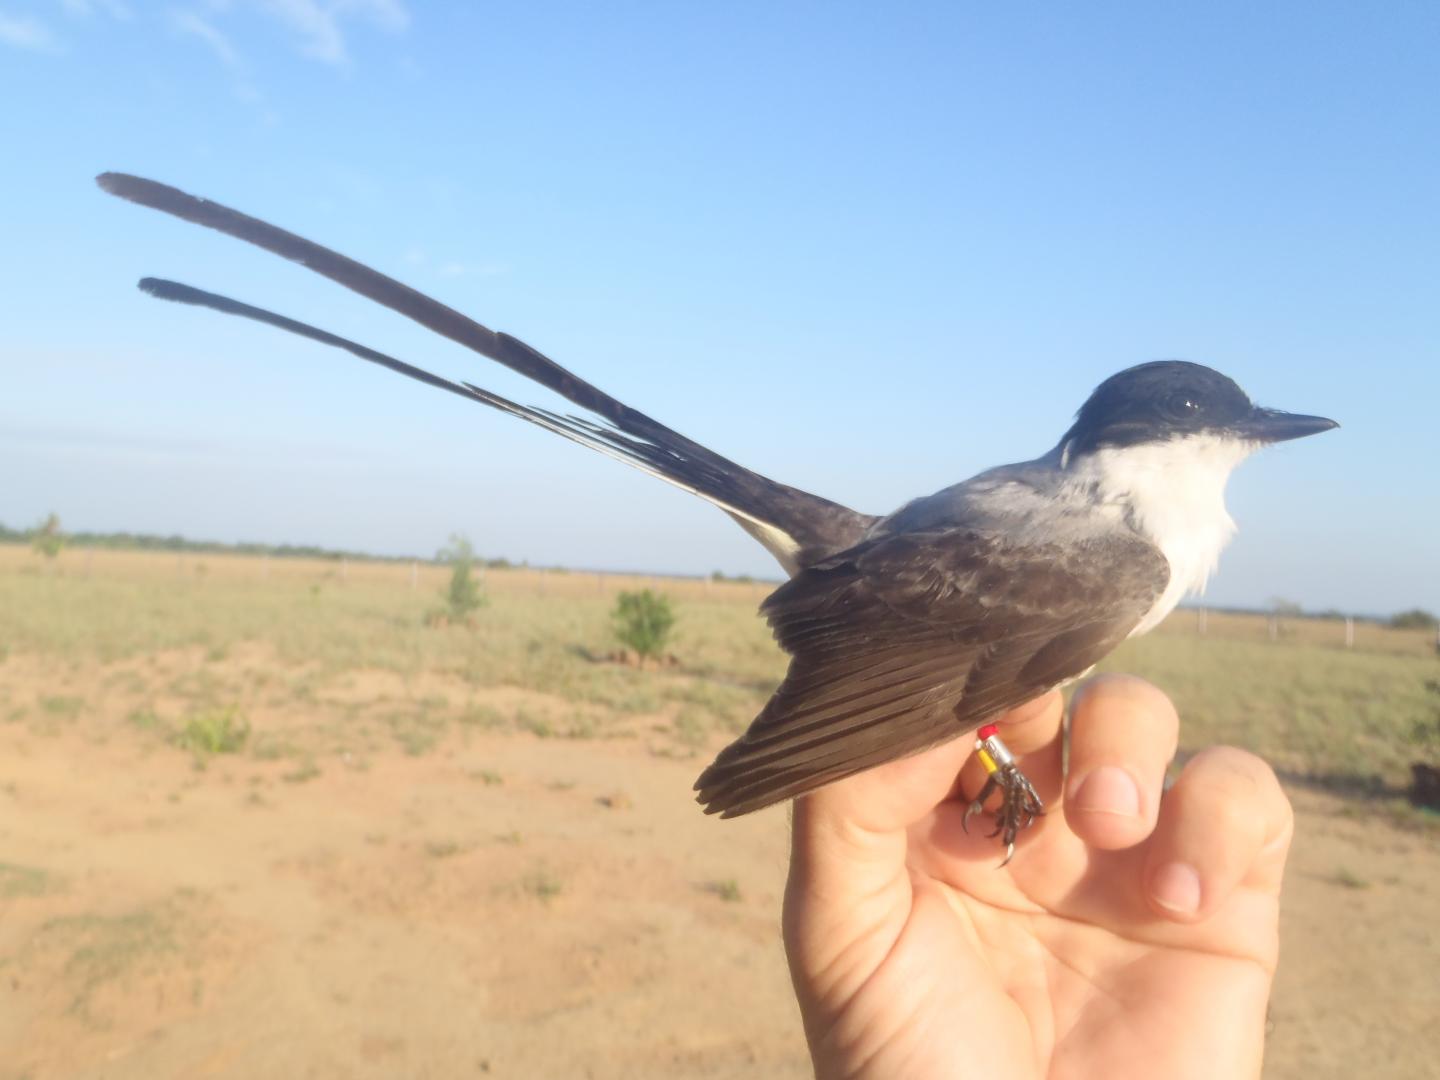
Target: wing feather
908,641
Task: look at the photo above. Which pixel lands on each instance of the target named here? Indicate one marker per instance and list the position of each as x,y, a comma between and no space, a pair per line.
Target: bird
906,630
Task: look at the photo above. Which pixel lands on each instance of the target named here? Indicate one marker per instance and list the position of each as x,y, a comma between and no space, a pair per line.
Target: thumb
849,840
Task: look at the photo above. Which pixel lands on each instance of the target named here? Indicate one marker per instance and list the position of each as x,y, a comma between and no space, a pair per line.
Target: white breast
1174,494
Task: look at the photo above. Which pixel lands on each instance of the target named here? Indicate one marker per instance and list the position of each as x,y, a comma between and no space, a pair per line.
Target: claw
1009,854
1019,806
978,806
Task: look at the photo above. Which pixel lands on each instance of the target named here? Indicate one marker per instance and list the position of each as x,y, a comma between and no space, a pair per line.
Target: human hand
1131,936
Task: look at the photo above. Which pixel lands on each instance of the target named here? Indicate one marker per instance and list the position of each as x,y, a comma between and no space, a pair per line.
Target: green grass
61,706
542,884
214,731
98,950
543,643
306,770
1340,717
1348,879
1354,718
416,729
18,880
727,889
145,718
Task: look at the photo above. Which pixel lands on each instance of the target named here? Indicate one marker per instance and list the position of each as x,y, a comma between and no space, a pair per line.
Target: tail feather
797,527
634,452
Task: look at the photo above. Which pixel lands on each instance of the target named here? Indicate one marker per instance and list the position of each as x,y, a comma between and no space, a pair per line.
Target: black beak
1272,425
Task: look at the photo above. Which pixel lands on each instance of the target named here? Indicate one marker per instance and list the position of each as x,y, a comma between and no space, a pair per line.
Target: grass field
256,818
1314,708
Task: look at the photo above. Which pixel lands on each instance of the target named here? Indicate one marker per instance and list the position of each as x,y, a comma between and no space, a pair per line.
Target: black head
1168,399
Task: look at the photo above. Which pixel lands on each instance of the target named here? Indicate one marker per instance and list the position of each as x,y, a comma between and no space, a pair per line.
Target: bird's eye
1183,405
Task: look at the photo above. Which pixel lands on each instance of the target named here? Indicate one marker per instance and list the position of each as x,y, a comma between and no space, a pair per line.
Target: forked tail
796,527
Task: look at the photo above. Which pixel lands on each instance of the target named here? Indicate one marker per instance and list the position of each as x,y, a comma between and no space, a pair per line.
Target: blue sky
865,249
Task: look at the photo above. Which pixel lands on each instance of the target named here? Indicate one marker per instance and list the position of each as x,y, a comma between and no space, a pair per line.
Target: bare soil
496,903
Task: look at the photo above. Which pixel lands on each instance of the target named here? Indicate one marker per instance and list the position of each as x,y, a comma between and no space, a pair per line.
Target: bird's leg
1020,805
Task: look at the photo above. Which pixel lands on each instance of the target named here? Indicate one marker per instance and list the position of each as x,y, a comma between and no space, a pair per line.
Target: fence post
1349,632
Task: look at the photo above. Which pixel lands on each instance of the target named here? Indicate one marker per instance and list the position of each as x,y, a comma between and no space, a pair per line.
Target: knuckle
1112,701
1115,684
1239,777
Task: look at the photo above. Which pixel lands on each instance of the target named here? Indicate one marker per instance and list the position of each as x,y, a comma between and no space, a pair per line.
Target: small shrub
482,716
146,718
727,889
643,621
215,731
542,885
535,725
1347,878
304,772
464,595
47,538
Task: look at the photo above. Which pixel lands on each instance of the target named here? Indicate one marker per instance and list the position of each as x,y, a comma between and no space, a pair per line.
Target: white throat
1173,492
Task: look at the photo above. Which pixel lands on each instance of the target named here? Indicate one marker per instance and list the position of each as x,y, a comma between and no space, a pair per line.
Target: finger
849,892
850,835
947,839
1225,822
1032,732
1123,734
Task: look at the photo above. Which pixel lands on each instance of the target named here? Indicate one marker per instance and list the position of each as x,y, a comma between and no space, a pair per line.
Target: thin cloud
187,22
320,24
28,33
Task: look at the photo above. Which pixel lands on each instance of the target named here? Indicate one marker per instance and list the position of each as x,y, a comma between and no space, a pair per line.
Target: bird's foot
1019,806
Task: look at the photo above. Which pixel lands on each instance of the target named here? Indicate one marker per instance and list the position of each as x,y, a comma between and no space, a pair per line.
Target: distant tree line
125,541
47,537
1414,619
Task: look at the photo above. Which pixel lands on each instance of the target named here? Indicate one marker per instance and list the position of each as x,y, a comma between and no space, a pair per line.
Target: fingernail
1107,790
1176,887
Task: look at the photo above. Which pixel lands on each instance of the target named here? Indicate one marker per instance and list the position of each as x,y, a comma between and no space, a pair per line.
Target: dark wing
912,640
816,527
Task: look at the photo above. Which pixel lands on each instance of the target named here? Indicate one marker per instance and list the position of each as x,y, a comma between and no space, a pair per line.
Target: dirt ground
509,905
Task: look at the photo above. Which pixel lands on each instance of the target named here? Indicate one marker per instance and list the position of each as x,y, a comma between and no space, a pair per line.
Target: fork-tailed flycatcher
908,630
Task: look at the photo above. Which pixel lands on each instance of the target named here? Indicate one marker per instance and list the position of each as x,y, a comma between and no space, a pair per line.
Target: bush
643,621
1414,619
47,538
216,731
464,595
